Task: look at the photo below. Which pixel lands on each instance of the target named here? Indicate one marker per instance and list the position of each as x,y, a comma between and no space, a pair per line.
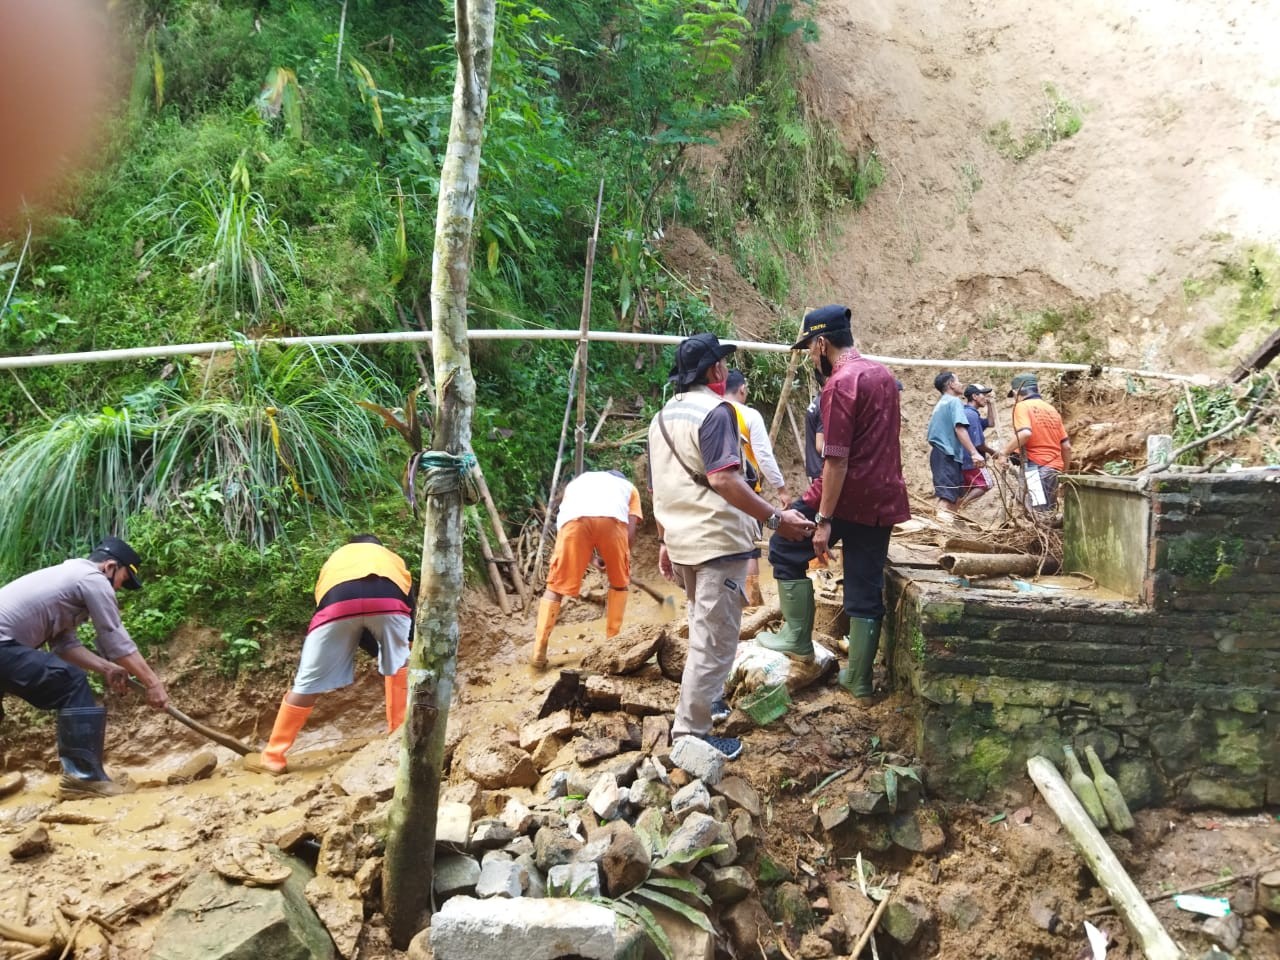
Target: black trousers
865,551
44,680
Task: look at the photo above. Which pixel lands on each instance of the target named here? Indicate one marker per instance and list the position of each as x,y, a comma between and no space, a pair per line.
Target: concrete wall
1179,692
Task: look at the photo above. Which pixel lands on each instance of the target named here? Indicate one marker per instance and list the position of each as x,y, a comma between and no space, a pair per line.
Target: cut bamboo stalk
995,564
965,545
1138,917
795,430
783,397
495,577
34,936
871,928
504,545
604,415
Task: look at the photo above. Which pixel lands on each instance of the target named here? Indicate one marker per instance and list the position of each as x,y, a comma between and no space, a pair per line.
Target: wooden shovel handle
217,736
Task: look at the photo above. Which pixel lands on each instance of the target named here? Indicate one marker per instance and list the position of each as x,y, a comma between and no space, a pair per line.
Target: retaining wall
1179,690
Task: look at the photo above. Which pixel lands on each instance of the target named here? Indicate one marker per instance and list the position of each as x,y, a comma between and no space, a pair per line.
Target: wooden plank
1269,350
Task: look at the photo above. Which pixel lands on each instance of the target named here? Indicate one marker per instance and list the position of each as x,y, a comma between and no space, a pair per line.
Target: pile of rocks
670,812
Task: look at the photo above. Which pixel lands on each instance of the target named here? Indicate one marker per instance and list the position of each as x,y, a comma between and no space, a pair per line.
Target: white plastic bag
755,666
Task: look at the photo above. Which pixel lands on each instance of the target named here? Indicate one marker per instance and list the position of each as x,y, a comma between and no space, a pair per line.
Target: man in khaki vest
707,518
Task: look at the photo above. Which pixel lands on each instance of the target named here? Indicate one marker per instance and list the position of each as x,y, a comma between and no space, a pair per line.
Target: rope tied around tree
443,473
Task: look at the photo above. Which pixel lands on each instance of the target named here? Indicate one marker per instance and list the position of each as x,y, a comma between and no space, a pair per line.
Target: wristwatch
774,519
819,519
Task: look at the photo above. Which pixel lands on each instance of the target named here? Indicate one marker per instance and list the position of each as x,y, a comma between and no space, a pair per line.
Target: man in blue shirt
950,449
975,405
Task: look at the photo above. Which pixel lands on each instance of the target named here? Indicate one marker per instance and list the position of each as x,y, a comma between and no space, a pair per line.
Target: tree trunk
408,871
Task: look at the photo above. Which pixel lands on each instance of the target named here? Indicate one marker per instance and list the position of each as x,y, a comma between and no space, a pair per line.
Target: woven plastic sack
755,666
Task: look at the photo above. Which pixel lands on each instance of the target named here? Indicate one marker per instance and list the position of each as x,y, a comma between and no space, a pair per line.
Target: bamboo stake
871,928
504,545
555,474
604,415
486,551
783,397
1136,913
795,429
584,327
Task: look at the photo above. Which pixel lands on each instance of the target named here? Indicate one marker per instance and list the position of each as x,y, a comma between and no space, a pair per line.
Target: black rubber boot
82,732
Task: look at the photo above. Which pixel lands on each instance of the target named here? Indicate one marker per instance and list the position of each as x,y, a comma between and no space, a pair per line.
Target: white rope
600,336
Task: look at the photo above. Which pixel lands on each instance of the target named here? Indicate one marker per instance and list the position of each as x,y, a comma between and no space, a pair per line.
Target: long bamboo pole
584,342
1136,913
783,397
504,545
596,336
555,476
495,576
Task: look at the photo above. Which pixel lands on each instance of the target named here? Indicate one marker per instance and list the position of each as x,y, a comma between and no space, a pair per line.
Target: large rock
699,759
852,906
918,831
740,794
692,796
494,765
371,771
455,874
554,845
274,922
605,798
502,878
543,929
726,885
558,724
688,940
627,652
338,904
626,859
579,880
696,833
750,929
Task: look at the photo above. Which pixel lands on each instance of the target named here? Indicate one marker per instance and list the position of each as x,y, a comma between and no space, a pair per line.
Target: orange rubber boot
615,606
397,694
548,611
289,723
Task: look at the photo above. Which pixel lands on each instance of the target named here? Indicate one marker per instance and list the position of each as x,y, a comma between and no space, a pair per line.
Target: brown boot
290,720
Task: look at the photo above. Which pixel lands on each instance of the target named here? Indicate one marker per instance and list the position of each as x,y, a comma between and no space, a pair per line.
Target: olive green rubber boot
864,638
795,636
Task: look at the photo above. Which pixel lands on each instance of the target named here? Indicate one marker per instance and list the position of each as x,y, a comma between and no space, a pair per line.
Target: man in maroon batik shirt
856,501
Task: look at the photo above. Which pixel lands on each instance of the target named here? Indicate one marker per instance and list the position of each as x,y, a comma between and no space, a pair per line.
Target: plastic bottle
1109,793
1084,790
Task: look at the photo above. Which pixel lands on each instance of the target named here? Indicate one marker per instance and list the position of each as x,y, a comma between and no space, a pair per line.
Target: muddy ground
1004,863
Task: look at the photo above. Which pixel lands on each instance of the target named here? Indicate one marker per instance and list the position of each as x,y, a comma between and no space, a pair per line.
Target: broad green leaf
690,856
692,914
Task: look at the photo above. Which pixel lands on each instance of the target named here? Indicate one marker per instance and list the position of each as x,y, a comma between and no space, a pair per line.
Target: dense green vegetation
272,174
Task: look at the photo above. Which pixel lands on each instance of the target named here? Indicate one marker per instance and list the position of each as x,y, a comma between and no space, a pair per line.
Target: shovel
668,603
217,736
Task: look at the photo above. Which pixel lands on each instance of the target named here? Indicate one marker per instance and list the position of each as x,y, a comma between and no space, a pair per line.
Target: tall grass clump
263,439
226,234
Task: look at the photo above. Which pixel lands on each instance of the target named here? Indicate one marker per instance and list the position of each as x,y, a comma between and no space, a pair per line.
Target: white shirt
597,493
758,435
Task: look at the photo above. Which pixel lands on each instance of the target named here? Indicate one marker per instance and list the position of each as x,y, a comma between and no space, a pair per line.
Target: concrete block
699,759
542,929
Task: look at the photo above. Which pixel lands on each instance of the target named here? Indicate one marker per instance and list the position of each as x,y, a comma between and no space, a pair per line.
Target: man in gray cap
1040,439
46,607
857,500
707,517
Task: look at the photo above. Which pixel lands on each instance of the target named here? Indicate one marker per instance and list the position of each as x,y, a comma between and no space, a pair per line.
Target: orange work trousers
574,545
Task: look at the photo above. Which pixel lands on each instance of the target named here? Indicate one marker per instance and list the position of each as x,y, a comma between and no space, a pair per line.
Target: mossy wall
1178,692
